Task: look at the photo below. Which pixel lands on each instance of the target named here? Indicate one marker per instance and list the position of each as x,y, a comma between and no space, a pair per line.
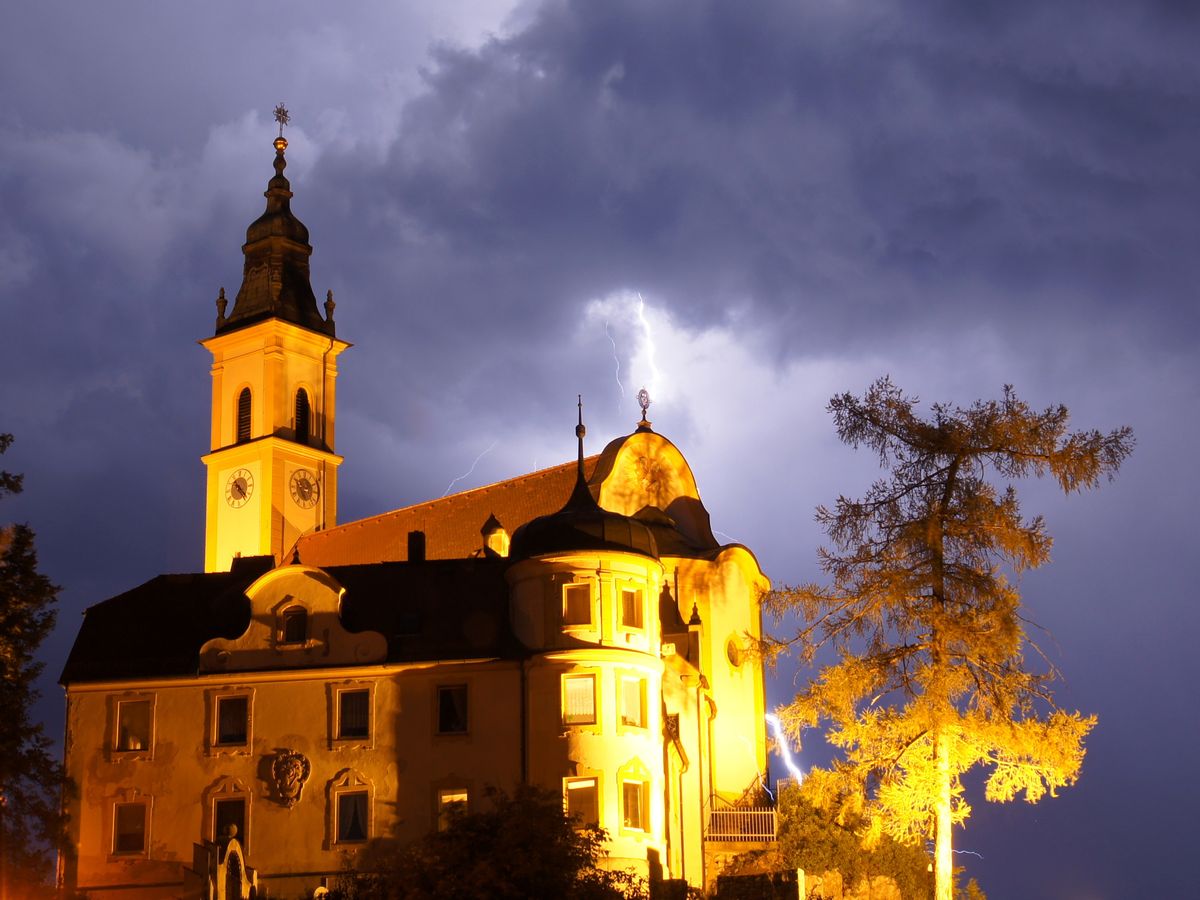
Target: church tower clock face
238,488
306,490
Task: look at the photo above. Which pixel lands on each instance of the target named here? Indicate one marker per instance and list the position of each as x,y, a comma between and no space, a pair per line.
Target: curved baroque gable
284,594
645,469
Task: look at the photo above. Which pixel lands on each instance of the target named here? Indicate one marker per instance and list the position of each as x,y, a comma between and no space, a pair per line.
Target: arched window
295,625
303,416
243,416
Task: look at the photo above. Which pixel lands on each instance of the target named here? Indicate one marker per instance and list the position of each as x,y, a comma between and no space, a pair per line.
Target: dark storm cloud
1009,161
806,194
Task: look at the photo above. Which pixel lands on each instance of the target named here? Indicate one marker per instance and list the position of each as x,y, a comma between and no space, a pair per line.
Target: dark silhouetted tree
521,846
31,780
931,677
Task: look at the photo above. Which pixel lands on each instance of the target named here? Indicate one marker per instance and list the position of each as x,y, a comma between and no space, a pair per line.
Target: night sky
744,206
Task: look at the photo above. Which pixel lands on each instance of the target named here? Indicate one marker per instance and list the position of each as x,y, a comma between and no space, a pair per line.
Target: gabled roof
451,524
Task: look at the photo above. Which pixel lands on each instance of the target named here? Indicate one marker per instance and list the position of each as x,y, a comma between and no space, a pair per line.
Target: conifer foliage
31,779
931,675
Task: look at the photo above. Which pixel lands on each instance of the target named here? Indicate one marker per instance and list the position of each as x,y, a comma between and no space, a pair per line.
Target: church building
248,730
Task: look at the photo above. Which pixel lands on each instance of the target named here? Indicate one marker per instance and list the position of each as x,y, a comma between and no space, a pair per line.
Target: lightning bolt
784,750
470,470
648,337
732,539
617,361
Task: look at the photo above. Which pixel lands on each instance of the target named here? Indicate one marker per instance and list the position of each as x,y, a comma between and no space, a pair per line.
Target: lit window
129,828
452,709
243,416
295,625
631,608
450,803
579,699
230,813
351,816
633,702
303,416
581,801
633,805
133,725
232,719
354,714
577,605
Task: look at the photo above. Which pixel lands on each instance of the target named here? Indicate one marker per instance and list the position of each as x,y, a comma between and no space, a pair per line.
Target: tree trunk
943,857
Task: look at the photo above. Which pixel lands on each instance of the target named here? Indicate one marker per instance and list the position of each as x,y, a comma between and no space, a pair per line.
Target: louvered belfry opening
303,417
243,416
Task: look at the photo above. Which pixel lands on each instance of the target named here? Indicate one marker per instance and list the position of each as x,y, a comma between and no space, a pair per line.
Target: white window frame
576,782
215,747
349,781
579,587
593,677
125,753
336,692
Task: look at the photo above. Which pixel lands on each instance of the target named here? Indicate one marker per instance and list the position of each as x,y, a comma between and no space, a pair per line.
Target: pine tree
931,677
31,779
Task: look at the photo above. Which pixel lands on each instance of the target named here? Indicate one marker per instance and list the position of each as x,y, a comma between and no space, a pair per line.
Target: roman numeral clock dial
306,489
239,488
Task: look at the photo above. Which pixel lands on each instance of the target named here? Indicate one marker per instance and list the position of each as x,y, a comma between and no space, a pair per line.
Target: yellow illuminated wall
265,491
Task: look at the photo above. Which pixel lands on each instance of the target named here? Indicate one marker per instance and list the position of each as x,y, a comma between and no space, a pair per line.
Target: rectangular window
354,714
579,699
633,805
633,702
582,803
231,813
577,604
452,709
351,817
631,608
133,725
233,714
129,828
451,800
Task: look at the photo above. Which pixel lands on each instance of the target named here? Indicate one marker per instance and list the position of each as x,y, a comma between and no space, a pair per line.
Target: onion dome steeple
582,523
275,280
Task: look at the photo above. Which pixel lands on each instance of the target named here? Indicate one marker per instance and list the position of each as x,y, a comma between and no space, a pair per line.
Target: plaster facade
323,687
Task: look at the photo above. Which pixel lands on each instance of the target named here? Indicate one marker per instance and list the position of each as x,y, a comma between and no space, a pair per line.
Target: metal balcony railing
752,824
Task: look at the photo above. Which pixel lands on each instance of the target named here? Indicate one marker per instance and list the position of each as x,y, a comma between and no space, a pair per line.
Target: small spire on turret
580,431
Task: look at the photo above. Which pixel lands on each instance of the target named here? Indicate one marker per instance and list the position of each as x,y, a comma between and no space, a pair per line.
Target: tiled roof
436,610
451,524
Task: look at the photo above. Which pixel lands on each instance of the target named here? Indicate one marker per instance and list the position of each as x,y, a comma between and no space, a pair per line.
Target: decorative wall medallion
289,771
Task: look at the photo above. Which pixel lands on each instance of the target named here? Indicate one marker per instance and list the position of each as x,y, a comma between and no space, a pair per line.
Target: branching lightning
617,362
467,473
784,750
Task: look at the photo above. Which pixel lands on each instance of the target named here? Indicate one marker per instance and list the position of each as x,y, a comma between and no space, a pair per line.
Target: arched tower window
303,416
295,625
243,416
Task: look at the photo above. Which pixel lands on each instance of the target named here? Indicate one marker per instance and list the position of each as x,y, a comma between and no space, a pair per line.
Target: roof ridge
458,494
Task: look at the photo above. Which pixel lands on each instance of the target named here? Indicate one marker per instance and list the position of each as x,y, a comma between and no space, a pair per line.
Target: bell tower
272,469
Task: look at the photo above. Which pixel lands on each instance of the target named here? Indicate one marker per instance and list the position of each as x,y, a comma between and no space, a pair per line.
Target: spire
275,281
581,496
